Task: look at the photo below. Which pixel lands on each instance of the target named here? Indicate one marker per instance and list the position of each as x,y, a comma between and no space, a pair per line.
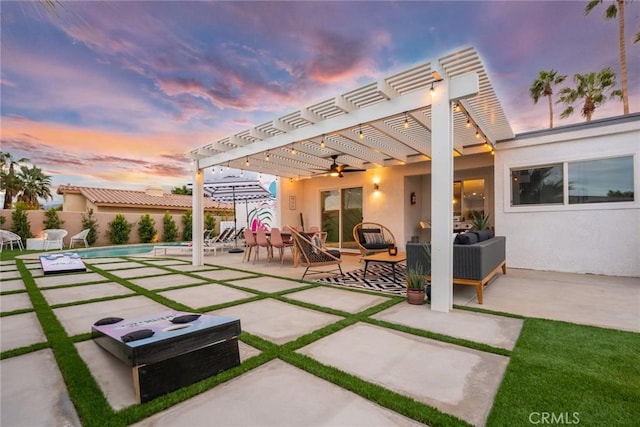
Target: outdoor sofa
477,258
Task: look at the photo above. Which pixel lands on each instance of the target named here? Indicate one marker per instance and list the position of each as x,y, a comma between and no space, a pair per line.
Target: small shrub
146,228
91,223
210,223
169,228
187,225
21,225
52,220
119,230
2,221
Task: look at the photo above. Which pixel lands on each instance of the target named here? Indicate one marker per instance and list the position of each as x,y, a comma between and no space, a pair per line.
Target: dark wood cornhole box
170,350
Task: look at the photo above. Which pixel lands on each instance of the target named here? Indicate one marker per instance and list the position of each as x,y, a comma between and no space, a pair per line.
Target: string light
406,121
477,134
293,150
241,172
360,134
432,90
267,157
227,165
468,123
247,161
457,108
322,141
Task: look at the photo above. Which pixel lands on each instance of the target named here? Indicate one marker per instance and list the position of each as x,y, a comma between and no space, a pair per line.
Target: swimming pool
114,251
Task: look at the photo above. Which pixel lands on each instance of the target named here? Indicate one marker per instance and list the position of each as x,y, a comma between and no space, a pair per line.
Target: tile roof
133,198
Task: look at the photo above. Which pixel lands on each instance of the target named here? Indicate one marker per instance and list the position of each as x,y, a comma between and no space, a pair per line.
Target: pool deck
275,307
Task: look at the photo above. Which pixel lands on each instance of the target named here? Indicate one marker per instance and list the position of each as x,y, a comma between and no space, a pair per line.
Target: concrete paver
268,284
22,404
338,299
277,394
189,267
222,274
277,321
20,330
9,274
68,279
206,295
166,281
14,302
11,285
84,292
119,265
497,331
457,380
139,272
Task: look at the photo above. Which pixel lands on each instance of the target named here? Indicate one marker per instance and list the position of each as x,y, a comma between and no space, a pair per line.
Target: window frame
508,207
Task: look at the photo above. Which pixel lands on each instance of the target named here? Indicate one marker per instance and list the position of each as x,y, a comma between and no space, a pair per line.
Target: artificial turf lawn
570,374
560,372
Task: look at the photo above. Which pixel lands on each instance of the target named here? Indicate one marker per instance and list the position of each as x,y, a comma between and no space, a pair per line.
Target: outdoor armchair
9,238
54,238
312,255
372,238
81,237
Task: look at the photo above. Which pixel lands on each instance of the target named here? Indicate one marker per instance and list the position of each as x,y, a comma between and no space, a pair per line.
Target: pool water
114,251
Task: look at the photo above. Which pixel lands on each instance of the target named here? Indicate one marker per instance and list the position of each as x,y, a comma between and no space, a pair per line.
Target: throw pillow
373,238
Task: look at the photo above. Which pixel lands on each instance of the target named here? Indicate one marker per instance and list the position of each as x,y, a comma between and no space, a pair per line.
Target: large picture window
537,186
601,181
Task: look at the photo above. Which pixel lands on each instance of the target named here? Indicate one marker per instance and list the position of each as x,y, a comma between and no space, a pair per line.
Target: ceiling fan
338,170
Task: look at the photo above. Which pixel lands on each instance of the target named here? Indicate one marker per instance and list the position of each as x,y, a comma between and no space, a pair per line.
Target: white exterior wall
598,238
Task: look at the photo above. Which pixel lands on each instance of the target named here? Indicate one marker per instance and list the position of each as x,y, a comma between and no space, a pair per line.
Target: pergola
433,111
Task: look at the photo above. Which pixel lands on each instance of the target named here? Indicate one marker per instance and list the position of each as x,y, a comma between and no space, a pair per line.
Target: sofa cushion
361,232
466,239
484,235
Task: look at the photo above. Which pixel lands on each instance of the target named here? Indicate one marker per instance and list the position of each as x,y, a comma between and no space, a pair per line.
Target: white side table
35,244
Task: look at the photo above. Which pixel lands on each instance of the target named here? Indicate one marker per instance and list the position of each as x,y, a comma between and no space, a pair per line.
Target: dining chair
278,242
250,243
262,242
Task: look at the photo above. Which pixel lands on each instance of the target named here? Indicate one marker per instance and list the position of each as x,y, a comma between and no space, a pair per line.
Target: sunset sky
112,94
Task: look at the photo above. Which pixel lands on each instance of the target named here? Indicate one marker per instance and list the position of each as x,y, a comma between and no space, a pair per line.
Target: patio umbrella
232,189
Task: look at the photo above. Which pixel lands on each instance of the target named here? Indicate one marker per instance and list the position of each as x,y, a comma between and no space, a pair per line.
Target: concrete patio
454,379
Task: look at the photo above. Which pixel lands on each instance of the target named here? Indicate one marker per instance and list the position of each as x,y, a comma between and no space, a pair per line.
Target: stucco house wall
598,238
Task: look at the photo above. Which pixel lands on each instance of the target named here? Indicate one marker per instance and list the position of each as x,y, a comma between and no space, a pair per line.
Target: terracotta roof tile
132,198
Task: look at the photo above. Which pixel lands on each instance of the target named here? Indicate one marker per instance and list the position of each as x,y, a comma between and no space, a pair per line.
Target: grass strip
574,373
90,403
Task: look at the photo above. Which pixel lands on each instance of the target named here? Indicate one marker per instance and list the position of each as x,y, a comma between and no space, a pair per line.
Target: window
535,186
602,180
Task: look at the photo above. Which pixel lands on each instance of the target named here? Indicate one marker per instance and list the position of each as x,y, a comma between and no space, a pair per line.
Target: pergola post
441,197
197,216
447,91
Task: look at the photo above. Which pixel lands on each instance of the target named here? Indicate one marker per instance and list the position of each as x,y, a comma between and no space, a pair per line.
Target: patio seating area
308,336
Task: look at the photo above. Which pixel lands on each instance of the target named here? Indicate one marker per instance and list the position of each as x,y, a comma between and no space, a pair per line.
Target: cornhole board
176,355
60,263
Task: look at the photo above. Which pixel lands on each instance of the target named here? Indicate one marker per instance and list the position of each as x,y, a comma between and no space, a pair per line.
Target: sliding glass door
341,210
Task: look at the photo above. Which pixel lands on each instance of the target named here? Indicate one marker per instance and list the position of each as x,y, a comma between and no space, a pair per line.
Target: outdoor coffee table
176,354
385,258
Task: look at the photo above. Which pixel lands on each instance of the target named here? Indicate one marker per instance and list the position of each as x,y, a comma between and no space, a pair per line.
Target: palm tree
35,184
542,87
591,87
8,181
613,10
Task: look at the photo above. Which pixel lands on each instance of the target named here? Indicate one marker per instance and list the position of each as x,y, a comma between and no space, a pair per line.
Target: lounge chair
9,238
315,256
80,237
54,238
372,238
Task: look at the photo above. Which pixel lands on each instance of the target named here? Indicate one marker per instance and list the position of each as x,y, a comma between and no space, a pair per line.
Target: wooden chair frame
311,255
386,233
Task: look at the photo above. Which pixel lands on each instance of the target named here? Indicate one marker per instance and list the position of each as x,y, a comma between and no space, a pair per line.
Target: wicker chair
312,255
372,237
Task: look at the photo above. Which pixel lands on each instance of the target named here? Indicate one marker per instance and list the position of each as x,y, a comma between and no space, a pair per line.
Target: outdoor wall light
376,186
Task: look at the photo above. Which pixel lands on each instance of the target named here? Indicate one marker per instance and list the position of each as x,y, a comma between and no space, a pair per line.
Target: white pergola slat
379,108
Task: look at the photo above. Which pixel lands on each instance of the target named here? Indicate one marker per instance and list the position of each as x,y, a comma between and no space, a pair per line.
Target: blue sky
112,94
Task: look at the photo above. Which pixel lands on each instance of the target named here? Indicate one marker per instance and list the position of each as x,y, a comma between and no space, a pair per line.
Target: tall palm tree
35,184
592,88
542,87
613,10
8,181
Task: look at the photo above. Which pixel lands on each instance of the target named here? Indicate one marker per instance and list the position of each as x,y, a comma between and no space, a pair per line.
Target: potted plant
416,285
